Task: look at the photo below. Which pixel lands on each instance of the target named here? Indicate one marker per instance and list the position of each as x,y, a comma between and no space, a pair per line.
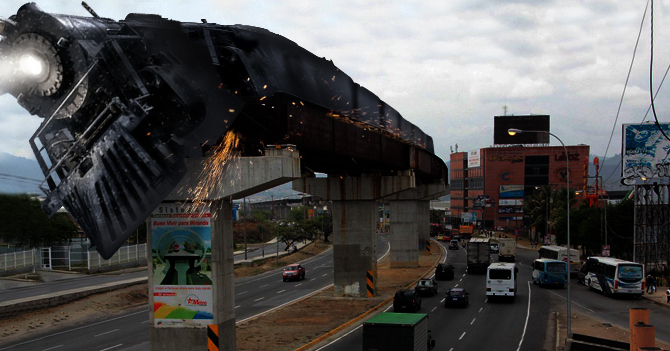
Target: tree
559,215
535,208
27,225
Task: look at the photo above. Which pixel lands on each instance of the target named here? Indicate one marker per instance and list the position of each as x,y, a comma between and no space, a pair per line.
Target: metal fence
126,255
72,257
17,260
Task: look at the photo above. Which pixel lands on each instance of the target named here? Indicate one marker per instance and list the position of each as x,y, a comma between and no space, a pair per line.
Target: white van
501,279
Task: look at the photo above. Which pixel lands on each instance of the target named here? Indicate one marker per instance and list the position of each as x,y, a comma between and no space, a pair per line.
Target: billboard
181,249
645,152
511,191
530,122
474,159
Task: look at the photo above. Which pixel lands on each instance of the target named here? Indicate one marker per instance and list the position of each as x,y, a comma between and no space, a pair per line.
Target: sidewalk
658,297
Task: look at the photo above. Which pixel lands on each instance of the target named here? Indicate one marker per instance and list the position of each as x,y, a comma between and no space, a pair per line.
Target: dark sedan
456,297
426,287
453,244
444,271
406,301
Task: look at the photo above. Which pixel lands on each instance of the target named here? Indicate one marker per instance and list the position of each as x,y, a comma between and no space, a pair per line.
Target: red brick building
506,175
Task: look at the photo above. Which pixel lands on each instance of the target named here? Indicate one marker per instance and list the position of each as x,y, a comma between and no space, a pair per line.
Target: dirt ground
88,309
299,323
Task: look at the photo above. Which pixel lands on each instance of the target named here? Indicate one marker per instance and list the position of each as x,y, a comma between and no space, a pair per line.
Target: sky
448,67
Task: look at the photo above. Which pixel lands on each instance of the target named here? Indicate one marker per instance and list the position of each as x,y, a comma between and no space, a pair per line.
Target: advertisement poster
646,152
474,160
182,273
511,191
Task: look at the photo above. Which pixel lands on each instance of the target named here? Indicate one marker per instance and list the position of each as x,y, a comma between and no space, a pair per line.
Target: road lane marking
590,310
259,299
51,348
264,285
487,300
451,349
443,299
70,330
461,280
238,306
473,321
298,284
433,310
527,315
456,286
147,321
280,291
325,275
464,274
243,292
113,347
462,335
107,332
340,338
480,309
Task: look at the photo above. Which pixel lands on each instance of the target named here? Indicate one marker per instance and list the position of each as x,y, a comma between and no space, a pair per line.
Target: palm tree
535,207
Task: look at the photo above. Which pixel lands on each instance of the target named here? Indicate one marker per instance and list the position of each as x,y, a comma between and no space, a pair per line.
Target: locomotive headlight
31,65
38,64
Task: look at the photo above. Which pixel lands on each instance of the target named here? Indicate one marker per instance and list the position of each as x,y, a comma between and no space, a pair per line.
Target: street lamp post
514,131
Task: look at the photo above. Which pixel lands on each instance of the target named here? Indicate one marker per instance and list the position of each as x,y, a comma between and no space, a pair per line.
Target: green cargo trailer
390,331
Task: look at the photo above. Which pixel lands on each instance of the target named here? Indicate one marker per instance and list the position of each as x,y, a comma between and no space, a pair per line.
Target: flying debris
124,102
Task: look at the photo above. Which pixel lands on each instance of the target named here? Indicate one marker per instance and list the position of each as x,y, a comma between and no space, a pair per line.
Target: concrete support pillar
423,225
355,214
404,234
223,275
410,223
354,246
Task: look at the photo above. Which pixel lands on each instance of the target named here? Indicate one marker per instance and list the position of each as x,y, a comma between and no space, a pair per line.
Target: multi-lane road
521,324
253,296
524,323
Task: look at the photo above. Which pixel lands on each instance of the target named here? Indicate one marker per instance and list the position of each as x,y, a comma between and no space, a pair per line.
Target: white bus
613,276
501,279
561,253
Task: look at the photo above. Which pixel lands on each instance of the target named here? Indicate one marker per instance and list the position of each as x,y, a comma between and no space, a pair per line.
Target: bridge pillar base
410,223
354,247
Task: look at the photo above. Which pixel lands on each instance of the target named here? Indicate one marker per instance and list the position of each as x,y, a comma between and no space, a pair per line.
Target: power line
623,93
19,178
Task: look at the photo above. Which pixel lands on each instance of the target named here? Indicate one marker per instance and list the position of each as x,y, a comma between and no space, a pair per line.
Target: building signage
506,158
510,209
511,191
474,159
506,202
181,249
645,152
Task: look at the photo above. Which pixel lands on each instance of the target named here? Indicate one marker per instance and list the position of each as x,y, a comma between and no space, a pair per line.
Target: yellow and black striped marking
371,284
212,337
428,247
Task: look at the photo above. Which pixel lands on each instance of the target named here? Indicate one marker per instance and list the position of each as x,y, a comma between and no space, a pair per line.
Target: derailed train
124,102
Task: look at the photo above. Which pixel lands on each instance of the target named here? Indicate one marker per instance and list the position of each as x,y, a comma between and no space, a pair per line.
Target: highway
483,325
253,296
522,324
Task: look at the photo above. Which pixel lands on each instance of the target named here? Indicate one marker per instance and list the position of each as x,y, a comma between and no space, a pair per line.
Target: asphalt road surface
519,324
130,331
